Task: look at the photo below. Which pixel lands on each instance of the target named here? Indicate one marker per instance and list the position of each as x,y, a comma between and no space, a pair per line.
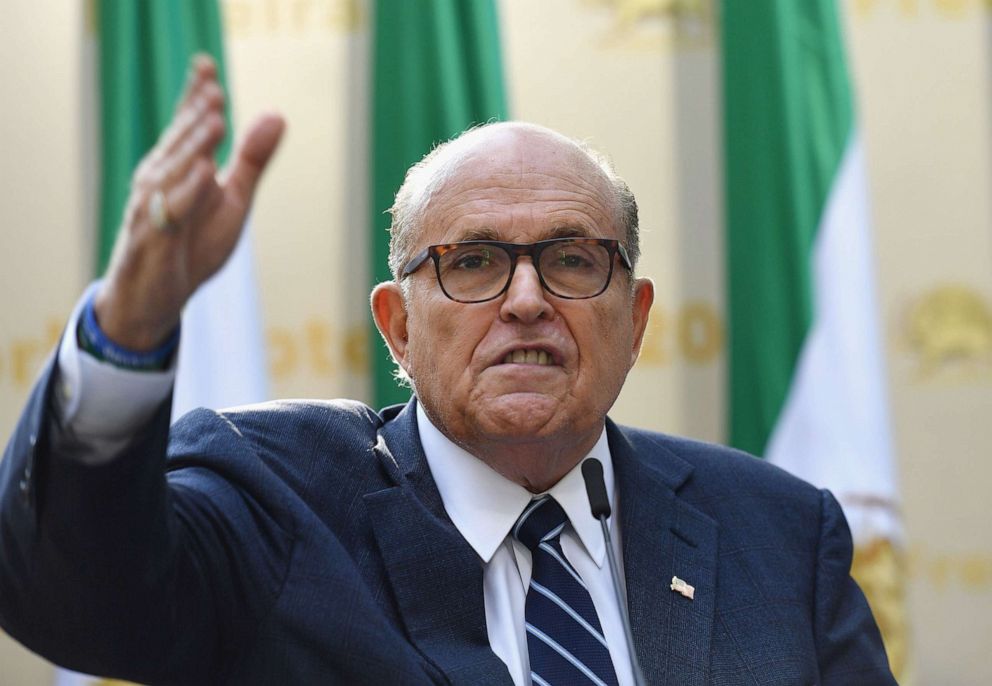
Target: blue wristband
95,342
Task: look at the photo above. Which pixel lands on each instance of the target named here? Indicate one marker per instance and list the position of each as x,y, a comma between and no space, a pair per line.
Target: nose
525,299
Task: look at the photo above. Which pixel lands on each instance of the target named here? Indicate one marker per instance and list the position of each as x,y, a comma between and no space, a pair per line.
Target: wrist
130,315
92,338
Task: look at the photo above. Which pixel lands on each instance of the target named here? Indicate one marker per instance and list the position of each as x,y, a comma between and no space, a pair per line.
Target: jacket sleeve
849,646
109,570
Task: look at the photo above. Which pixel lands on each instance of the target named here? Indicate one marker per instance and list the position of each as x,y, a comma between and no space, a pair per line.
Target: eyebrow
568,232
490,234
480,234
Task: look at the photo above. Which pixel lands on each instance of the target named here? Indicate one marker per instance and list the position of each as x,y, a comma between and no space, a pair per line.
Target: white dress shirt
484,505
101,406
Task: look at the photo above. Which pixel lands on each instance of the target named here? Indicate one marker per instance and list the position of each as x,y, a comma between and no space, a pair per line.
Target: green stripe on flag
437,71
144,55
787,119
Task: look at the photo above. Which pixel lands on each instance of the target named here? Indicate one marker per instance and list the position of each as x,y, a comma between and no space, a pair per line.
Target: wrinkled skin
530,422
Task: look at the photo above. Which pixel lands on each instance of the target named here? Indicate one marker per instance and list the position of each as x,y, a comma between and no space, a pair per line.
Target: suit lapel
665,537
434,573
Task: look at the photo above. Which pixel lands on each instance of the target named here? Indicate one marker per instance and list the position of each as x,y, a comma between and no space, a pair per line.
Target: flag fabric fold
806,373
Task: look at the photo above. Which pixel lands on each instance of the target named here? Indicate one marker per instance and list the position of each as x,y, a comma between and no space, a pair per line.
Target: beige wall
46,139
924,69
643,86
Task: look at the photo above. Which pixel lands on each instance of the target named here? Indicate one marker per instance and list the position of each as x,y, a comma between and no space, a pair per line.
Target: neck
535,465
536,462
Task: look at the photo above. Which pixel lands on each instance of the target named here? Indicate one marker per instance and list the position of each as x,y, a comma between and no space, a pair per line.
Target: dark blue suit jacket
306,543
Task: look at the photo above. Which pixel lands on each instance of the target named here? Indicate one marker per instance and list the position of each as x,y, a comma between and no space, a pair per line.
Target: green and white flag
807,378
437,70
145,48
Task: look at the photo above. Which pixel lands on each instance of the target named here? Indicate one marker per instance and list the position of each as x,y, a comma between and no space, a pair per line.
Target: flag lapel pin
679,586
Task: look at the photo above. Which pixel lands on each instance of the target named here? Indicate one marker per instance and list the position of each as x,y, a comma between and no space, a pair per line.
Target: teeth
538,357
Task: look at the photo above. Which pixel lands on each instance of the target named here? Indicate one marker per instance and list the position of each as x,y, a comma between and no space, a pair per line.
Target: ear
389,313
643,299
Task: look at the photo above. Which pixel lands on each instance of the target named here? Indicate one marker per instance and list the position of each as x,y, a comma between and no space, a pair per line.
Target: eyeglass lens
478,272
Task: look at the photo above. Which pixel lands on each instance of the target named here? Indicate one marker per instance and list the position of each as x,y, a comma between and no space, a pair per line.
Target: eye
572,258
473,259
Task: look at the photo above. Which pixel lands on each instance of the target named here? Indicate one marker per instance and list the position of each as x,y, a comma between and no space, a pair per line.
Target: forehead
517,183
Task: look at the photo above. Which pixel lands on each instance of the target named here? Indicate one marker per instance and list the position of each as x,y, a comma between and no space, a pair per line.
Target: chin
523,416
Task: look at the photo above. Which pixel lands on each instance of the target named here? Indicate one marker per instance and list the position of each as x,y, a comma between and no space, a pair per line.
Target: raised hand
183,218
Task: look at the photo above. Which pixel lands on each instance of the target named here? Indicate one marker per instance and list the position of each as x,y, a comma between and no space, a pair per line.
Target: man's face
527,366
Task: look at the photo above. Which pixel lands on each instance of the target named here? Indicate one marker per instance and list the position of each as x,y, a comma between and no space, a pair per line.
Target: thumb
253,154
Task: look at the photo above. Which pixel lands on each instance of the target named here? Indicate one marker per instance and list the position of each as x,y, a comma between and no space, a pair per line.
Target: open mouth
529,356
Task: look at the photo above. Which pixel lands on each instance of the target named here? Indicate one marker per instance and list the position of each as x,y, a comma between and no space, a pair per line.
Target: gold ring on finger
158,212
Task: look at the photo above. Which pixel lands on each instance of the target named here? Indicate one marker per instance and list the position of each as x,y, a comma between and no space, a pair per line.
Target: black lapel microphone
599,504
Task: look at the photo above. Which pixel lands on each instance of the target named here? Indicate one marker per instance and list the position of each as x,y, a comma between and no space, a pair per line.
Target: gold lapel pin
682,587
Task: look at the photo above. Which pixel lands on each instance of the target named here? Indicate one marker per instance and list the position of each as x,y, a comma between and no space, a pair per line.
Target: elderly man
447,541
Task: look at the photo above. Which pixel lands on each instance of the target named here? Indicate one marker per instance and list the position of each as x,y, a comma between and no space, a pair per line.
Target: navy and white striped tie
564,638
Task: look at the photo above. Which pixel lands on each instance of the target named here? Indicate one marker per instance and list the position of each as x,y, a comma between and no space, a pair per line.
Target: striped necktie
564,638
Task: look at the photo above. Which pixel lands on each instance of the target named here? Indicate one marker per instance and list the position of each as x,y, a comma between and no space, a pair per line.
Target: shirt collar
484,505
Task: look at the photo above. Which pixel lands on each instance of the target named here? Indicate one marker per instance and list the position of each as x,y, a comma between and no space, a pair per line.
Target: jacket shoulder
340,423
322,451
715,469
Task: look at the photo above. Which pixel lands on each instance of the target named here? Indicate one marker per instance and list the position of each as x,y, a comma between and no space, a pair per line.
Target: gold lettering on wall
910,9
693,333
967,570
976,572
650,24
314,348
317,348
947,332
356,349
244,18
318,338
955,8
21,357
654,352
700,332
283,355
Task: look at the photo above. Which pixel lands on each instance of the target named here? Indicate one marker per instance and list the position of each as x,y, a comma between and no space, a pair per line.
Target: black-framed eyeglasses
477,271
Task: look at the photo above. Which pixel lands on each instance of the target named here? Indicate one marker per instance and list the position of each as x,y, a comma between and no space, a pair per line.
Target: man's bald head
429,176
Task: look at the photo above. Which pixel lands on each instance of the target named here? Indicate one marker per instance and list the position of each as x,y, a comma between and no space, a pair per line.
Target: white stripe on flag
221,352
834,428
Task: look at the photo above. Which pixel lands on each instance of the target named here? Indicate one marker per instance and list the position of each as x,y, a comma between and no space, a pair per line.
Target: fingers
198,144
187,144
179,171
181,167
253,155
182,198
202,69
202,96
206,100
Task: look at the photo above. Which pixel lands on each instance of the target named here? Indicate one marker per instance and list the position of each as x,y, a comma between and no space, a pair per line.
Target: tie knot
542,520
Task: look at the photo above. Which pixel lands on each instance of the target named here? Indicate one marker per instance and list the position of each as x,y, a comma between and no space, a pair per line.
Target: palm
163,257
216,225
